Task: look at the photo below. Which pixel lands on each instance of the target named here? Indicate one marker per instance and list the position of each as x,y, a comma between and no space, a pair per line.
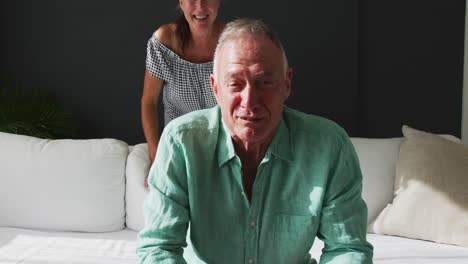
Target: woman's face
200,14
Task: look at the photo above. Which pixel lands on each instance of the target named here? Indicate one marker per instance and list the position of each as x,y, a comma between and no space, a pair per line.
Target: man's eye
234,85
264,83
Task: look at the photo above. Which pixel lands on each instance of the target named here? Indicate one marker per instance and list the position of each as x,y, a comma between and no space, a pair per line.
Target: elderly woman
179,63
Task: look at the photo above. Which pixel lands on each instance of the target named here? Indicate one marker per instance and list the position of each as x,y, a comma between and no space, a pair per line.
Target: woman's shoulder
166,34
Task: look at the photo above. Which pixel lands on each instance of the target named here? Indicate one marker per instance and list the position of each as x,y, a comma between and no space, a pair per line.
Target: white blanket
26,246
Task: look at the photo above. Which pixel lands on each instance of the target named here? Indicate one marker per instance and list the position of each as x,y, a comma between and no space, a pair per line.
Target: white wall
465,85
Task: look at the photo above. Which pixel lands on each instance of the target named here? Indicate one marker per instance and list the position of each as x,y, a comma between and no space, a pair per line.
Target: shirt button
252,224
250,260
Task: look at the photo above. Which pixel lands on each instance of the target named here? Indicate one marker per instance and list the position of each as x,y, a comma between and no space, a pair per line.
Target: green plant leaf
33,113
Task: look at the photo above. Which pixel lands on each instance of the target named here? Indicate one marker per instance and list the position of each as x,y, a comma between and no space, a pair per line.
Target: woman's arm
149,113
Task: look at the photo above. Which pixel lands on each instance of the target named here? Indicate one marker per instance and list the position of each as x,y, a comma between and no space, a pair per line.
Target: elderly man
256,180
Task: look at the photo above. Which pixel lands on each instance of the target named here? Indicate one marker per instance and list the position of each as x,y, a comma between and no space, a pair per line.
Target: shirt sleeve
166,208
157,62
343,224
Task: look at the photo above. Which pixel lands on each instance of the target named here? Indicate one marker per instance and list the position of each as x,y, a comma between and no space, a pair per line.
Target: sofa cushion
431,188
62,185
378,158
137,168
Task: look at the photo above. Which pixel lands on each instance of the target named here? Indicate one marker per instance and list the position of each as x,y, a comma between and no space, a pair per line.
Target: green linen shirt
307,185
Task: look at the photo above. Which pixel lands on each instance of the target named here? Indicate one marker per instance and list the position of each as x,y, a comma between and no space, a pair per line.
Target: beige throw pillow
431,191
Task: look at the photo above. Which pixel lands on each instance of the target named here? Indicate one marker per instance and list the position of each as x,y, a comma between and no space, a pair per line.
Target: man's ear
214,86
288,80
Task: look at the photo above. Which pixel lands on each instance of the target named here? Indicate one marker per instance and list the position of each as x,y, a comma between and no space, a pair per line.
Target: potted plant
33,113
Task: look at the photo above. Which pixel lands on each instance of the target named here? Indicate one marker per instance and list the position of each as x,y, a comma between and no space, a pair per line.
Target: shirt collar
225,148
280,146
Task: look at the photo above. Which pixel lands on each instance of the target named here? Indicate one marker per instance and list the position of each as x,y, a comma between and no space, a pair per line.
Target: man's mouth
250,119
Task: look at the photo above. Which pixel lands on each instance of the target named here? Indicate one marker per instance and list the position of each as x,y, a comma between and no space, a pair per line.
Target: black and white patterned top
186,85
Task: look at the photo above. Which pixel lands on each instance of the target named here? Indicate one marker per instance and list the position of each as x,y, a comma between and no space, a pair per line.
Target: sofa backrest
96,185
378,159
63,185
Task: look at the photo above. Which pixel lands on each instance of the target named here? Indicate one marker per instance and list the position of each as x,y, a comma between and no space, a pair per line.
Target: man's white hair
254,27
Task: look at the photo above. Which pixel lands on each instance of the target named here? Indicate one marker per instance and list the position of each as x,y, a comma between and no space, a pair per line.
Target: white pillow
138,165
62,185
431,188
378,158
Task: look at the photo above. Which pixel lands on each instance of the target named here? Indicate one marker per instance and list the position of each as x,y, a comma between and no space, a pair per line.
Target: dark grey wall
411,66
369,65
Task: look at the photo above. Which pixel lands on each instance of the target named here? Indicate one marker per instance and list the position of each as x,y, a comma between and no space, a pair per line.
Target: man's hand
146,182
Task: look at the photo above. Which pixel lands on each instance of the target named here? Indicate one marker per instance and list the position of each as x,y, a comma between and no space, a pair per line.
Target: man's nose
249,96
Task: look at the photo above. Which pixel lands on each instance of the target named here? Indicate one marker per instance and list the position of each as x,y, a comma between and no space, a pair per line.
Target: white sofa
80,201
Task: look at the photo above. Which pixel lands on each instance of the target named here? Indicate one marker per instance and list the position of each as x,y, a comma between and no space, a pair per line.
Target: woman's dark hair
183,32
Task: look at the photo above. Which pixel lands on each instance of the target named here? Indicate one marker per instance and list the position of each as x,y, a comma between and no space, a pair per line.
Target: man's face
251,84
